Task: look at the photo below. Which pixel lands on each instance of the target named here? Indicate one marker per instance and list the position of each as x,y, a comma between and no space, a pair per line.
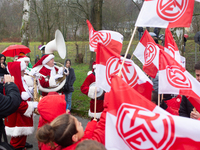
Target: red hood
52,106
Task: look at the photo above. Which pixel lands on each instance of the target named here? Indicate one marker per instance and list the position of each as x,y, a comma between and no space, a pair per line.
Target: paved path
32,139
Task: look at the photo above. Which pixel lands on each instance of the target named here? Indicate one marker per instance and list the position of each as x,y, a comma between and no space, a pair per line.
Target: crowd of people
59,129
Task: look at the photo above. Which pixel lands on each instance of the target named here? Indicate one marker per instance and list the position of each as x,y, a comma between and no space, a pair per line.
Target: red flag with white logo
174,79
108,63
166,14
110,39
133,122
170,46
147,52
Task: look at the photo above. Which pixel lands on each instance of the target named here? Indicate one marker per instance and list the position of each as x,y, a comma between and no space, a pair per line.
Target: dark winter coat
185,107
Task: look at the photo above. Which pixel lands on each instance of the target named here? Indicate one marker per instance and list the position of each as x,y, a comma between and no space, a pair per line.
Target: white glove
98,89
30,89
66,73
33,72
35,104
60,70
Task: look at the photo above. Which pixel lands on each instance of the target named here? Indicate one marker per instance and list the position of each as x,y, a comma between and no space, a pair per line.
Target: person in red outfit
66,131
87,90
48,73
20,123
49,108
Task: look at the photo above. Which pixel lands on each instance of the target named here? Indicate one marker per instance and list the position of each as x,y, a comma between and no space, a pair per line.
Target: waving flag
147,52
108,63
133,122
174,79
166,14
170,46
110,39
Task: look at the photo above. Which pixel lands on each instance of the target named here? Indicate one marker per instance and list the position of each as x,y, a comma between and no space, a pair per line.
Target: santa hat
15,69
24,58
44,60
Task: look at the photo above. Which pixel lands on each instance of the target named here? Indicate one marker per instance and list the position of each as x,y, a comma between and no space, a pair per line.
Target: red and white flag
170,46
174,79
133,122
108,63
147,52
110,39
166,14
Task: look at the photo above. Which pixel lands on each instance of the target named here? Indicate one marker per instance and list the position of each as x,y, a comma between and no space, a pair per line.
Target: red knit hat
44,60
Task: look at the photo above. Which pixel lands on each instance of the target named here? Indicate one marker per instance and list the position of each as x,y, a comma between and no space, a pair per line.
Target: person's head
15,58
2,58
197,70
50,63
37,56
68,63
25,59
63,130
90,145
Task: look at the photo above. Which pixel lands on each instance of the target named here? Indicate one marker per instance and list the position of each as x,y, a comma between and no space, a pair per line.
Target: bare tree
25,23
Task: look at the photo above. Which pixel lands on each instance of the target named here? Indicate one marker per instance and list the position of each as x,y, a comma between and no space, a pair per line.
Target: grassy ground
80,102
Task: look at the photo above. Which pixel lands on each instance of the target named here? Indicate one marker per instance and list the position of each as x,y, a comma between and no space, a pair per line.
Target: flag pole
95,102
129,45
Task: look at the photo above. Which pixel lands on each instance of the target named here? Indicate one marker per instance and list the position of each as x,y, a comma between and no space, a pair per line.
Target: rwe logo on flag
133,122
109,63
174,79
166,13
147,52
108,38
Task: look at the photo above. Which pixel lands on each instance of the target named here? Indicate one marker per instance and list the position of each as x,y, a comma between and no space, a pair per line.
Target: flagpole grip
129,45
95,102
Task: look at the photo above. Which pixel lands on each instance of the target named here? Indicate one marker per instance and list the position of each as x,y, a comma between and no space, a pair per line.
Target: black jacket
68,87
185,107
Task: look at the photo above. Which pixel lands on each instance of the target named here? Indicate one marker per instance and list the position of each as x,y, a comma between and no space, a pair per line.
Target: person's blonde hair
60,131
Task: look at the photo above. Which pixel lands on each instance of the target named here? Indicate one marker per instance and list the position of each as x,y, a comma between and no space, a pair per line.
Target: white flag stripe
139,52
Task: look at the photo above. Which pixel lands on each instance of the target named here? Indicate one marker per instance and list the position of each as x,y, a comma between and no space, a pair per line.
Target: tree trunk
25,23
96,21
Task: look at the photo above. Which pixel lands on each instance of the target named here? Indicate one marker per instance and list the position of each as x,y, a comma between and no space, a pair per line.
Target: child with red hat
20,123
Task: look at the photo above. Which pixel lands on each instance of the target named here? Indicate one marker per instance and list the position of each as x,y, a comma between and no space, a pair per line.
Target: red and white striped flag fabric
147,52
174,79
166,14
133,122
111,39
108,63
170,46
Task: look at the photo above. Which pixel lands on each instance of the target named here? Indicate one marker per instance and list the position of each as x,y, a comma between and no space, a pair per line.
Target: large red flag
174,79
147,52
108,63
111,39
168,13
133,122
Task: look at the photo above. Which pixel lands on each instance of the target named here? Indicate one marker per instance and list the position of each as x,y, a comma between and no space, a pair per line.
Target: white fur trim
24,59
18,131
23,65
98,115
94,66
91,92
52,82
89,72
47,59
24,96
29,110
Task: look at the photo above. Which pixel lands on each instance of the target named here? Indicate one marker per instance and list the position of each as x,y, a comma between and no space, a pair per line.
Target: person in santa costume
48,73
20,123
90,91
27,61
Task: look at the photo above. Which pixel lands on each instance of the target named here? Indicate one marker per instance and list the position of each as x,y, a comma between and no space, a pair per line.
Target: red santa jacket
85,89
20,122
45,83
48,114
